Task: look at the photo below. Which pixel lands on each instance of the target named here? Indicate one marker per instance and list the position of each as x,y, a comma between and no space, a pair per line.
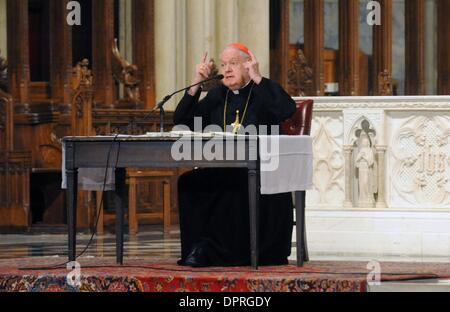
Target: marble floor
148,243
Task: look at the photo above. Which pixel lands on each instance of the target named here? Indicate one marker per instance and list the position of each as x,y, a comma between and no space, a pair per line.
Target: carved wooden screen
384,47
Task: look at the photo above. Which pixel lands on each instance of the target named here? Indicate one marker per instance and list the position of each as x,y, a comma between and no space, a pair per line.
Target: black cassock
213,203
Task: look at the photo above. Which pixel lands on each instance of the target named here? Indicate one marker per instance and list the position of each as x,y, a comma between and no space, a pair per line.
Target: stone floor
149,242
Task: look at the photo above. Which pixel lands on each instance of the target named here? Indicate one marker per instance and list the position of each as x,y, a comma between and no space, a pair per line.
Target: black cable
63,265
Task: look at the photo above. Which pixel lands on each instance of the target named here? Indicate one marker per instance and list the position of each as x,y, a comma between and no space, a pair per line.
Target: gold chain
226,108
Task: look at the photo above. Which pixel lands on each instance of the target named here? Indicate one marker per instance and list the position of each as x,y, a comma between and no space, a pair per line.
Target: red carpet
150,275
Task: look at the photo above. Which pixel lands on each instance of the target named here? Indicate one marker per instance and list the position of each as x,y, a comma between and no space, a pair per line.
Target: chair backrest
300,122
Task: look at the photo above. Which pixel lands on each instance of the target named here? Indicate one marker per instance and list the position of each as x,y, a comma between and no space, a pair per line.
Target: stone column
431,47
348,203
183,77
3,41
185,29
200,32
381,152
165,54
125,30
227,18
125,40
254,30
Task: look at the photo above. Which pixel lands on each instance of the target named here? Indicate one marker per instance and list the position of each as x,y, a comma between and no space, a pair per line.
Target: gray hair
242,53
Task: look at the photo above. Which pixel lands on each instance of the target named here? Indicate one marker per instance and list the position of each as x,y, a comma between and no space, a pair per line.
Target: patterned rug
162,275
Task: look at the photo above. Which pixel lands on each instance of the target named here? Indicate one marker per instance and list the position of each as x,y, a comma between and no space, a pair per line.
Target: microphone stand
160,105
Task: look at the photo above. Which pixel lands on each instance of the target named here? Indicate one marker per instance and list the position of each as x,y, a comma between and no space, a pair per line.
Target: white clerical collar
236,92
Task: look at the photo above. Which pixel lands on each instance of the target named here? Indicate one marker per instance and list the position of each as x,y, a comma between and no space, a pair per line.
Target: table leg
72,191
119,200
253,209
305,240
302,253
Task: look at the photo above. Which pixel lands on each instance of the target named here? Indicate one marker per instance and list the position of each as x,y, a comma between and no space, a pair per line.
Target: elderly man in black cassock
213,203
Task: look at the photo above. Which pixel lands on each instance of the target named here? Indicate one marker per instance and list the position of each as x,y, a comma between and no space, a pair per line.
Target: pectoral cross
236,125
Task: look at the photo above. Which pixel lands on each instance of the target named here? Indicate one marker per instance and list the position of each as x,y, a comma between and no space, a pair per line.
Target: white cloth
286,166
89,179
286,163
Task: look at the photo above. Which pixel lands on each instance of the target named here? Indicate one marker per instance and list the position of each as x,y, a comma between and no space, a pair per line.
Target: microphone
168,97
160,105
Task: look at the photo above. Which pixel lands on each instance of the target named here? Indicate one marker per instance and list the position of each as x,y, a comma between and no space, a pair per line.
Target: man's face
233,70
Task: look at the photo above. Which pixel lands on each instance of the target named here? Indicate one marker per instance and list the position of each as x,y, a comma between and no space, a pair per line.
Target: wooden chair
300,124
134,178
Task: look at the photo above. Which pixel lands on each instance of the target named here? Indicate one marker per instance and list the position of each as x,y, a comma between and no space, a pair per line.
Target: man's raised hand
252,67
202,72
203,69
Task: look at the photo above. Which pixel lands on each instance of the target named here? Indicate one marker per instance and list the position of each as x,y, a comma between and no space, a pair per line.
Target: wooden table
153,152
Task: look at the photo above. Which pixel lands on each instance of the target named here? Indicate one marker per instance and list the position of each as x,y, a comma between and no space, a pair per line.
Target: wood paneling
382,49
443,47
61,59
314,43
6,122
349,47
102,43
18,53
279,41
415,47
144,48
39,39
14,194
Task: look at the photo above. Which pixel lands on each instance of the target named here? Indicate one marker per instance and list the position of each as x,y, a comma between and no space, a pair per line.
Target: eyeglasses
232,63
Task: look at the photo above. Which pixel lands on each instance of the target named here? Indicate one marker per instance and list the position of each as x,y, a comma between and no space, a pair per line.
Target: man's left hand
252,67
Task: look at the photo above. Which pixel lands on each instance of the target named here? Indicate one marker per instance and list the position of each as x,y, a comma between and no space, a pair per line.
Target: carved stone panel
329,165
420,162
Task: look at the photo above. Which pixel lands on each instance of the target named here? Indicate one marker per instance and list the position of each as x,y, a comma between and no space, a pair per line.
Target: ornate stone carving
421,161
365,164
328,162
356,119
364,161
300,75
128,75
